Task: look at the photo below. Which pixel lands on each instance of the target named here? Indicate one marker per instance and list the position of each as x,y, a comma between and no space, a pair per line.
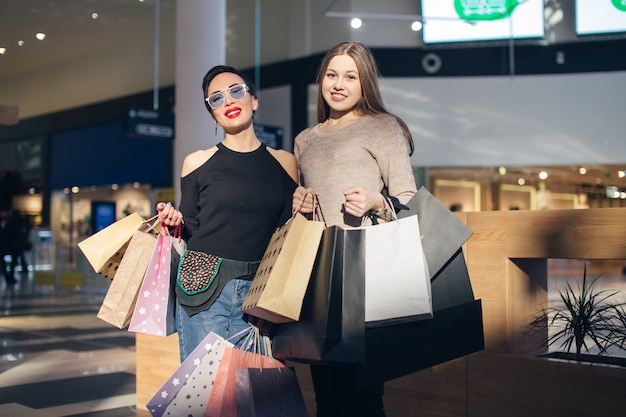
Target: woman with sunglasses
355,155
233,197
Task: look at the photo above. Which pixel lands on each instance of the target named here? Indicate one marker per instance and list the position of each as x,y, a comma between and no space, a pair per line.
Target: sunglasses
217,99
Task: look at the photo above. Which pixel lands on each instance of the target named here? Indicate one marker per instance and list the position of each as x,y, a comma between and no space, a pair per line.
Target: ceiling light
521,181
582,170
620,174
543,175
356,23
502,170
416,26
41,36
3,51
20,43
95,15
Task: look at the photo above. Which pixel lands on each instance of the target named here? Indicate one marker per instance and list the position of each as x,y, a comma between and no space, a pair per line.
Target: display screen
103,215
600,16
448,21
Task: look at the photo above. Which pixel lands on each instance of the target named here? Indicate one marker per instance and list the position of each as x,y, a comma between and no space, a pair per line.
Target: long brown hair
371,102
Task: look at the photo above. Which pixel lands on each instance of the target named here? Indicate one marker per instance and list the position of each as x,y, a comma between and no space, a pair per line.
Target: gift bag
397,282
104,250
223,398
280,282
271,392
119,301
154,310
187,391
332,324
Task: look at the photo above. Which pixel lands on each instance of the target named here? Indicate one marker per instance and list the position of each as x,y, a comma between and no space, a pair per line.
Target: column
200,45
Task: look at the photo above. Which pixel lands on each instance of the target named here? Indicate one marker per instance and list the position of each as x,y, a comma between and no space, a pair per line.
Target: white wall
527,120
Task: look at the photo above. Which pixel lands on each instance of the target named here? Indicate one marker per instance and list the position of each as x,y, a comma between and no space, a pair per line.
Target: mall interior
97,112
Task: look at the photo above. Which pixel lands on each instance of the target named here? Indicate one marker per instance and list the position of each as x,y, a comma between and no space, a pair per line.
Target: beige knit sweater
372,153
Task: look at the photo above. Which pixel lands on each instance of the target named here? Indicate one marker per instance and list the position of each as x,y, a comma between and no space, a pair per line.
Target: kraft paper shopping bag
332,325
104,250
119,301
279,284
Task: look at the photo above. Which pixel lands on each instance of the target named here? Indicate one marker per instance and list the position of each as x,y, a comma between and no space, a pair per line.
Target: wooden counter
507,262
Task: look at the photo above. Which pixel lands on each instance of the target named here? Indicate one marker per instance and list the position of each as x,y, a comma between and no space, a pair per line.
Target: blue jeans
224,317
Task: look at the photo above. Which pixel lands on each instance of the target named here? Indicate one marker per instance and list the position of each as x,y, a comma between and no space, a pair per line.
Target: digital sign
447,21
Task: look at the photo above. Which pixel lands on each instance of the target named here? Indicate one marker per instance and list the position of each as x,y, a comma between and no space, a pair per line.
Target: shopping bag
278,287
154,310
442,232
455,330
119,301
223,399
332,324
271,392
187,390
397,281
104,249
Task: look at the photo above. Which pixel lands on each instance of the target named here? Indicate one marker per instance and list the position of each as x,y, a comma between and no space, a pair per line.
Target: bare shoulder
195,159
287,160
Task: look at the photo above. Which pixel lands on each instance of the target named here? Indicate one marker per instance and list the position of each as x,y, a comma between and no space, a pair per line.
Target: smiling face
234,115
341,85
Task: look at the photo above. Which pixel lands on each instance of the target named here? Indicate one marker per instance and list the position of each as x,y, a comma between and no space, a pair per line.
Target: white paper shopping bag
397,282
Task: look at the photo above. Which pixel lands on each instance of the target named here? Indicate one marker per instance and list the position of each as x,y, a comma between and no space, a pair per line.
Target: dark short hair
220,69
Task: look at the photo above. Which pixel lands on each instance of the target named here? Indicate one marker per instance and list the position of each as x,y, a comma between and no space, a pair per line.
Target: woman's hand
305,206
360,200
168,215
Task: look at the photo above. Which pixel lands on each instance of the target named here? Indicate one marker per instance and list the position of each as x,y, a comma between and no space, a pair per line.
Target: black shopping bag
455,330
269,392
332,324
443,233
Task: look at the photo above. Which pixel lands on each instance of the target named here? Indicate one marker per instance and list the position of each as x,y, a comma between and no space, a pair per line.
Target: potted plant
589,318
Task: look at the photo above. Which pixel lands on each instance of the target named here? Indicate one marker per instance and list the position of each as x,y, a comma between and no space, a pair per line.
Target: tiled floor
59,359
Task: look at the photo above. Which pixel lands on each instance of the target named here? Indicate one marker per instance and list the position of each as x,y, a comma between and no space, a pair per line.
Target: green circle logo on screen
485,9
619,4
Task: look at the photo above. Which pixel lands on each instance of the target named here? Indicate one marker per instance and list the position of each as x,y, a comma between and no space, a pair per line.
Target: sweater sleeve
395,162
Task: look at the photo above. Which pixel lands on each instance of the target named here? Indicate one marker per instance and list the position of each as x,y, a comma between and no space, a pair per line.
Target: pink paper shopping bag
154,309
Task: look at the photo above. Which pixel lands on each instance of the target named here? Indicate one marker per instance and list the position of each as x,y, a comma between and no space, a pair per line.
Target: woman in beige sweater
355,155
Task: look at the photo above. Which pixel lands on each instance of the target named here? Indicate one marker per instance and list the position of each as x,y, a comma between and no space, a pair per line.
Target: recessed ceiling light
356,23
41,36
95,15
416,26
3,51
20,43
